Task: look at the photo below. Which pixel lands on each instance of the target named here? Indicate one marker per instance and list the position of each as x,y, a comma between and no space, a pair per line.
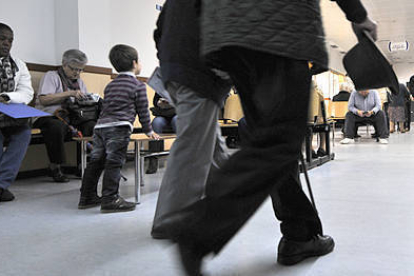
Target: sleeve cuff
5,97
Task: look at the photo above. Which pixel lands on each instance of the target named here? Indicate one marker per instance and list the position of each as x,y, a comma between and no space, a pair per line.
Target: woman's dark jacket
177,41
401,98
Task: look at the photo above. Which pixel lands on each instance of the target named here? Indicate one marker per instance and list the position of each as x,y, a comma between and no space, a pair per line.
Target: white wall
33,24
335,59
44,29
104,23
66,27
95,30
404,71
137,23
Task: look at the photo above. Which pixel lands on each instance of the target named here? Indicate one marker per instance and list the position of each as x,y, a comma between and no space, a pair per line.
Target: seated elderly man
15,87
365,107
343,94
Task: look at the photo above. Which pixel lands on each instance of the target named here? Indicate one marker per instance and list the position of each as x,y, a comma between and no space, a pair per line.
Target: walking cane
305,172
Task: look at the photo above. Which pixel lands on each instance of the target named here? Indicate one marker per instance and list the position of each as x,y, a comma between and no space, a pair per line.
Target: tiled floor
364,197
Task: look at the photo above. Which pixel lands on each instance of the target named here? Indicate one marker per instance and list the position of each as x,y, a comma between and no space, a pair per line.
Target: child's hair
122,57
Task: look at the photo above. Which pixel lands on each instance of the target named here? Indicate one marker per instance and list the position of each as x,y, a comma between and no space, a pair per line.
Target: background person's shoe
346,141
292,252
89,202
321,152
117,205
383,141
58,176
152,165
6,195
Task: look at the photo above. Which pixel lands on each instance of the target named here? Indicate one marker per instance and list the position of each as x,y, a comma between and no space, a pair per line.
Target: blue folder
21,111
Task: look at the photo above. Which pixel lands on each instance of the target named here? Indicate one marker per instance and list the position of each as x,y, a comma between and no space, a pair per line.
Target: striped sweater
124,98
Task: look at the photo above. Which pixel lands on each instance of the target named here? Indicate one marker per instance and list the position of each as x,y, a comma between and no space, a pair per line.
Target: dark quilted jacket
290,28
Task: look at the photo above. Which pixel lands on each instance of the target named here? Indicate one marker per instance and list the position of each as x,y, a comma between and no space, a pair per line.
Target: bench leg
83,156
142,172
138,171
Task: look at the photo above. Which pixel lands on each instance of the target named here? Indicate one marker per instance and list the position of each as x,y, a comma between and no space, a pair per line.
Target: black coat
401,98
285,28
177,40
342,96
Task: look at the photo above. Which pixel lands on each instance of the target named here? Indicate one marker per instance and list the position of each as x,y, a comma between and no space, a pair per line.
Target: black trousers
109,154
274,92
378,120
55,133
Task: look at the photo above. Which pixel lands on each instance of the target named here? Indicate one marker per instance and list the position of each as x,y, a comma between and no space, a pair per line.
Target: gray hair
345,87
74,56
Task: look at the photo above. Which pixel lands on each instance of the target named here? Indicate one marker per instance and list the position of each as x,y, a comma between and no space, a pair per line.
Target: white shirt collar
127,73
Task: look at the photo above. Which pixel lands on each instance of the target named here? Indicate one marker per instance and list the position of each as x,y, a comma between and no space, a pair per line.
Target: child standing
124,98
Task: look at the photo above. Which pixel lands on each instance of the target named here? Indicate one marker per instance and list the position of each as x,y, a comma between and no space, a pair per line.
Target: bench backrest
232,108
339,109
95,79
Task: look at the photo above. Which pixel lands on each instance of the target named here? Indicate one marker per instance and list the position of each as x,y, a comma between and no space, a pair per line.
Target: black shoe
159,235
6,195
89,202
314,154
191,258
321,152
58,176
117,205
152,166
293,252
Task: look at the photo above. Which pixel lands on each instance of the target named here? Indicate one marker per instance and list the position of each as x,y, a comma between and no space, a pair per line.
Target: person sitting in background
365,107
164,122
15,87
410,86
165,117
396,109
316,117
124,98
344,93
56,87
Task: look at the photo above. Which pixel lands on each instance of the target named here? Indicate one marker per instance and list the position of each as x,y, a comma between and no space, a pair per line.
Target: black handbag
82,110
166,112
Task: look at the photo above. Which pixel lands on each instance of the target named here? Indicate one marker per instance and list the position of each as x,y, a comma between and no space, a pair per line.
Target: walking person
197,94
268,73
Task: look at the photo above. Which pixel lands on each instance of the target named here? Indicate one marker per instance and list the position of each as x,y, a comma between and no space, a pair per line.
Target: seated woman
15,87
317,116
396,109
165,117
54,89
164,122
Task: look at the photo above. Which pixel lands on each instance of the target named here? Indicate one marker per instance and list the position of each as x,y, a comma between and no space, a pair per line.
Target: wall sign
398,46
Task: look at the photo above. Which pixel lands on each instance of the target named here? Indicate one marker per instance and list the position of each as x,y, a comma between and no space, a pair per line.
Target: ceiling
395,20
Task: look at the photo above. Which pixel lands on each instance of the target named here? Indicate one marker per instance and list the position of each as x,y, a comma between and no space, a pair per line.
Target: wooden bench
137,139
